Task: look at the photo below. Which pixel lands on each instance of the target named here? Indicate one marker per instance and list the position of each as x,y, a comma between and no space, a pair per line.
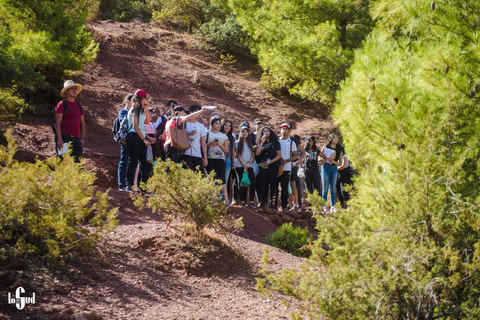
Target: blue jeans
329,178
122,166
228,168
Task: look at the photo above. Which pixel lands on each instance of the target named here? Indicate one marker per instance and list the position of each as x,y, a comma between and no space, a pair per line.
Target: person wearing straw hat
70,121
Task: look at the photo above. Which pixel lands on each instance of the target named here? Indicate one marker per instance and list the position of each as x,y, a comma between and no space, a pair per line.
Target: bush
185,14
49,209
293,240
222,35
187,196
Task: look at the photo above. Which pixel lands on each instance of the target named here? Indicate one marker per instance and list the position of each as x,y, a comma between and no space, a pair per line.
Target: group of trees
403,76
408,247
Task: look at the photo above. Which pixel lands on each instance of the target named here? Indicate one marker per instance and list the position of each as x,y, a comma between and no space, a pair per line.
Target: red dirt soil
120,279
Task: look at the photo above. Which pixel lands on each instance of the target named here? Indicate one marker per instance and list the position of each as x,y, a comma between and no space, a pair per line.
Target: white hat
68,84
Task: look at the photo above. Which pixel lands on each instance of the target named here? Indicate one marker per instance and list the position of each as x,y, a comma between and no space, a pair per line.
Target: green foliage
187,196
408,247
222,34
290,239
187,14
316,201
49,208
305,46
40,42
10,106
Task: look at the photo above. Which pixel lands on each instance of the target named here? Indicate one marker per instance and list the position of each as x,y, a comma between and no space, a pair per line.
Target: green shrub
49,208
223,35
293,240
186,196
185,14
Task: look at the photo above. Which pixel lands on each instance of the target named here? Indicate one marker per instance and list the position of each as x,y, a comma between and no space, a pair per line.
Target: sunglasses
265,131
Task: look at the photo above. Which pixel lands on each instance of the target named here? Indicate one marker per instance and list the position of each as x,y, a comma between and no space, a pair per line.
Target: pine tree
40,43
304,45
408,247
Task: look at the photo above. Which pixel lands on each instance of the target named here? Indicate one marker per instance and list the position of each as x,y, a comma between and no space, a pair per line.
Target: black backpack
65,106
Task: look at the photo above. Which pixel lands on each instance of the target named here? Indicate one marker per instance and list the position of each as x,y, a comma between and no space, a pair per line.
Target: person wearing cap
124,155
70,120
269,154
243,164
137,139
289,154
180,117
196,156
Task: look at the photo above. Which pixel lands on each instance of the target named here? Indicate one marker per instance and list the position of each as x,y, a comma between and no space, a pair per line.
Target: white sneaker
333,209
325,209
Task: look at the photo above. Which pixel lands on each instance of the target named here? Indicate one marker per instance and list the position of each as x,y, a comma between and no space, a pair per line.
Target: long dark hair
137,105
331,136
229,134
241,141
306,146
272,137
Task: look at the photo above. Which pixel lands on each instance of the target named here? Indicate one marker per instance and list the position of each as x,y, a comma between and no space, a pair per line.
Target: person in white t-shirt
196,156
289,154
245,156
217,146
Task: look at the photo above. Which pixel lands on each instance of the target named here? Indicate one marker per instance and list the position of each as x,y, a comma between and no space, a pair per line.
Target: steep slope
163,63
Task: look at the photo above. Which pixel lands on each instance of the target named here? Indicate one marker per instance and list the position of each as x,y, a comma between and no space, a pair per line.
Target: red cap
141,93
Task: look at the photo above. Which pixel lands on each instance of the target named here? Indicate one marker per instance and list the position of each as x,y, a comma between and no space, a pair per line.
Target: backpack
121,136
116,124
65,106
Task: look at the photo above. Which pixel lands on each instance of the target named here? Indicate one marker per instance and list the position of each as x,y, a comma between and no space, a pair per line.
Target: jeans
329,177
122,166
137,152
312,180
228,168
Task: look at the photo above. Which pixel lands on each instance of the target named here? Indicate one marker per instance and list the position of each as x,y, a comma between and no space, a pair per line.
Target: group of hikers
253,154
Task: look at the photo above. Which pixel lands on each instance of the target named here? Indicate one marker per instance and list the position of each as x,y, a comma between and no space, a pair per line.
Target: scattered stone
287,218
302,223
307,214
89,315
298,216
207,82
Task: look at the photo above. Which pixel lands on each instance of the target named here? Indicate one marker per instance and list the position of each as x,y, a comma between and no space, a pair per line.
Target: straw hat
69,84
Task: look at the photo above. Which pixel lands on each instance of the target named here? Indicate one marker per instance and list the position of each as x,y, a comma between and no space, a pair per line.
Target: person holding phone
217,146
269,153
